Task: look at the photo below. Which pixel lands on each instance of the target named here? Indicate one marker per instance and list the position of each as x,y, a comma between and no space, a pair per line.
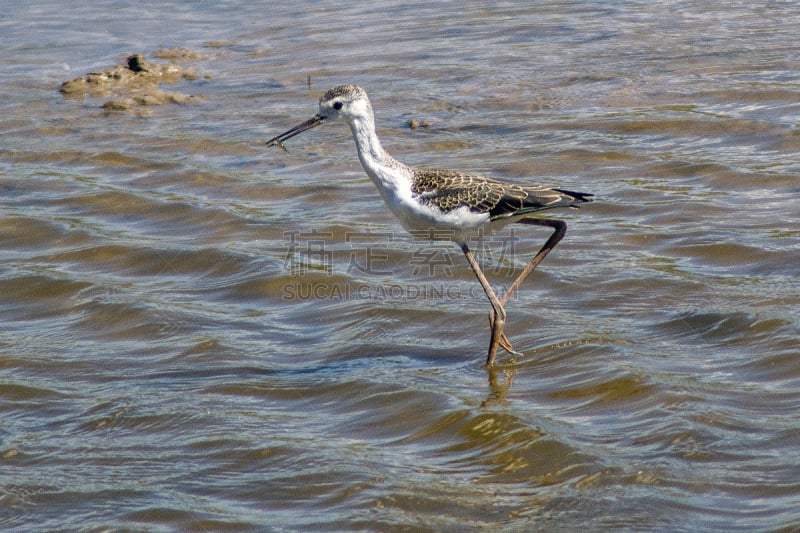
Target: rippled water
200,333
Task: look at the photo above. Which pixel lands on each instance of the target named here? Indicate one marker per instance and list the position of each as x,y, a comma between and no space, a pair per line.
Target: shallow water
200,333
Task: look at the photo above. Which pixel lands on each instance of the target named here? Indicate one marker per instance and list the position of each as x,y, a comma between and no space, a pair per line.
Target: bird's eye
337,105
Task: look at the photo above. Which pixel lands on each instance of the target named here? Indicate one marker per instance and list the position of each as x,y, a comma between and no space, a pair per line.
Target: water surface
200,333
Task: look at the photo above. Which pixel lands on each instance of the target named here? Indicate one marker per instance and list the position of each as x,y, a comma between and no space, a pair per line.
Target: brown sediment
178,54
137,82
414,123
219,44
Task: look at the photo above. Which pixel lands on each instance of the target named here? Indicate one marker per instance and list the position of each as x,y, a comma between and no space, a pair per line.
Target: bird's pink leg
498,314
559,229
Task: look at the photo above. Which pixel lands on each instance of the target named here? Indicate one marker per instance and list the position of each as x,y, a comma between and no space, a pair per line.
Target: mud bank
135,85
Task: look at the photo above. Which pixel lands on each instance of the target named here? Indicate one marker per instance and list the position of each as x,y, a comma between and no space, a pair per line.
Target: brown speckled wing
448,190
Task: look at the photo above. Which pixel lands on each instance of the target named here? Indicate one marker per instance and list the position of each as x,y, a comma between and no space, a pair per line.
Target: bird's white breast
424,219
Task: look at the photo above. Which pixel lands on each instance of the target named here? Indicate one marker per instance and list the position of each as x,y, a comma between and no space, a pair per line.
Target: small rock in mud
414,123
137,63
122,104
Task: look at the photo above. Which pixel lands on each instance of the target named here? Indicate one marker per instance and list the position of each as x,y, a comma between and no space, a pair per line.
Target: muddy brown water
200,333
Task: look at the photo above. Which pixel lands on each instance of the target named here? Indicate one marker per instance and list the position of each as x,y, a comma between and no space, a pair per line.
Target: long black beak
314,121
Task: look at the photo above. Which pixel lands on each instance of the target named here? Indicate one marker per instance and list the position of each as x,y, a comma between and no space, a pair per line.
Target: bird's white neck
385,171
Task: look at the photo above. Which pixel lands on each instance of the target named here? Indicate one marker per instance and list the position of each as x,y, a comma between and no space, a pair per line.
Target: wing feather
448,190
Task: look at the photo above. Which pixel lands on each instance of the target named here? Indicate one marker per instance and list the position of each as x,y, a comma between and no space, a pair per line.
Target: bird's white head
345,102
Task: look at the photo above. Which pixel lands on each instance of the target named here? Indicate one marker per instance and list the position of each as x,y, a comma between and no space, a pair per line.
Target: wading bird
444,202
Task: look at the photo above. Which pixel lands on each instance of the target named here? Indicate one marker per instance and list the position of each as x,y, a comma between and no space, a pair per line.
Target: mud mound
136,84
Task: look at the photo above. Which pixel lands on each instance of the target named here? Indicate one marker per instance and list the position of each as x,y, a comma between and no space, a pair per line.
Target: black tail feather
579,196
